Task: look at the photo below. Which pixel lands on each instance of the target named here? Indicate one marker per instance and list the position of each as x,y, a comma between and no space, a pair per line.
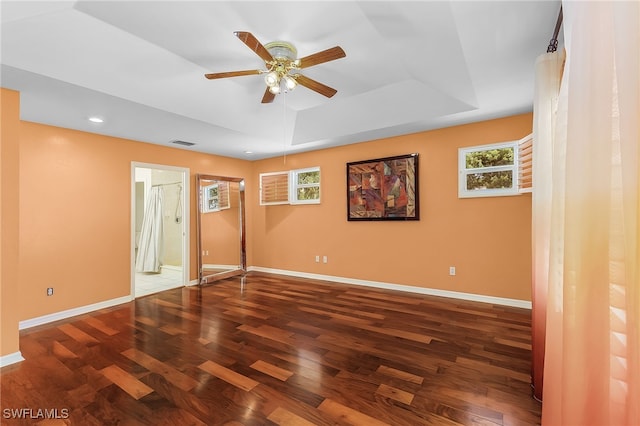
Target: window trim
463,192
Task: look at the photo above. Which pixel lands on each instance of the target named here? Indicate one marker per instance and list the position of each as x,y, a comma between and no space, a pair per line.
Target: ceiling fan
282,66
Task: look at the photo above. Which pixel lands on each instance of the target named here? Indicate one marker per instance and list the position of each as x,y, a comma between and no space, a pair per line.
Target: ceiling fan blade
254,44
268,97
231,74
315,86
321,57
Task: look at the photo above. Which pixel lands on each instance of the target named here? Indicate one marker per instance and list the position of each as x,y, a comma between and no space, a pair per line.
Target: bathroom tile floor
148,283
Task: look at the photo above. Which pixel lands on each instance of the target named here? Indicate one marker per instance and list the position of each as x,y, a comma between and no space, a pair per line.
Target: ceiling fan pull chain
284,128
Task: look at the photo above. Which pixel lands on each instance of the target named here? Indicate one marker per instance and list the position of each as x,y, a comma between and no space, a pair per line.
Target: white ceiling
140,65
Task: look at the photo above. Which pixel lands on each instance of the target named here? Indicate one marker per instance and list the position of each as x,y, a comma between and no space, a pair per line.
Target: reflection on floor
147,283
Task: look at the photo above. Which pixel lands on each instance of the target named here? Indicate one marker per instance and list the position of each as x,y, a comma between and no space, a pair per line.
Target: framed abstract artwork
383,189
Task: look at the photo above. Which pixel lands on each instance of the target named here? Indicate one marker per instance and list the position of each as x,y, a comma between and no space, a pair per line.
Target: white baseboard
192,282
56,316
215,266
516,303
11,359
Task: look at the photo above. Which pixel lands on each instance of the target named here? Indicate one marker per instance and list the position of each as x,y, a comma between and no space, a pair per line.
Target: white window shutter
525,163
223,195
274,188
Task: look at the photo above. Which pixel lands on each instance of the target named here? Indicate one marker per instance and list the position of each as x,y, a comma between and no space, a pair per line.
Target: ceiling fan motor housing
282,50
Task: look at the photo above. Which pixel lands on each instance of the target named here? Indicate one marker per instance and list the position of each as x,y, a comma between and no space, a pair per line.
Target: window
488,170
300,186
305,186
215,197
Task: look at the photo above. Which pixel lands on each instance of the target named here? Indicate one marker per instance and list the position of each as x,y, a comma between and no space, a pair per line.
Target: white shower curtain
150,247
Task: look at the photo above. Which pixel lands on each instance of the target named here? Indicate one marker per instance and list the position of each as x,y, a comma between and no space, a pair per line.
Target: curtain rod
166,184
553,43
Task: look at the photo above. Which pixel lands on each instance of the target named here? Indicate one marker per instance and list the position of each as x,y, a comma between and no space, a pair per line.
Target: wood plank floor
274,350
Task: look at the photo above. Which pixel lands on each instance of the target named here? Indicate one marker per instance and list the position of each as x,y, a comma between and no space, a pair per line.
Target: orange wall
488,240
75,210
9,220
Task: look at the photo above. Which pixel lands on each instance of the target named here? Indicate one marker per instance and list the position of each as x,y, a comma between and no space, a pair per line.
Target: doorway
159,228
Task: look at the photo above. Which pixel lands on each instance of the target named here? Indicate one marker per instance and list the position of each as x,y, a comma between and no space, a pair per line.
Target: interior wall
488,240
75,224
9,221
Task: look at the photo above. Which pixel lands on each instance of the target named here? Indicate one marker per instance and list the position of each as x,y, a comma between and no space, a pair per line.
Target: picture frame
383,189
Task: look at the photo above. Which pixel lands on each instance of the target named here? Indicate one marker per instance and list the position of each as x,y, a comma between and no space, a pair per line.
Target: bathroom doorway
159,228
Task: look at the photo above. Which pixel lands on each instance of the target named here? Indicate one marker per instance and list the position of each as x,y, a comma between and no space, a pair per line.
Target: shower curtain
150,247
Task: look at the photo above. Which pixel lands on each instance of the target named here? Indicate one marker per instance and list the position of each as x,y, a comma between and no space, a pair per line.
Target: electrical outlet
324,259
452,270
49,291
317,259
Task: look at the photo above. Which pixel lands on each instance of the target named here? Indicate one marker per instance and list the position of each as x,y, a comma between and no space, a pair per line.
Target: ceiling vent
183,143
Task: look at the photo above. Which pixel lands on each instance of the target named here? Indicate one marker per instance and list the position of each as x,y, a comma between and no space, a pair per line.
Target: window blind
223,195
525,163
274,188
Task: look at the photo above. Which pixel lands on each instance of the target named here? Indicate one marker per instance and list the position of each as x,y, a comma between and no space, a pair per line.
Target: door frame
186,216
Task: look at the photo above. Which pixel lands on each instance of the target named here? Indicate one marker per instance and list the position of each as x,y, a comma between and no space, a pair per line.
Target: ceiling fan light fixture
290,82
274,89
272,79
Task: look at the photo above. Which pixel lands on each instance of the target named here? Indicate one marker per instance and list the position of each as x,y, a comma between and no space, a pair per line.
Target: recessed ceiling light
248,152
96,120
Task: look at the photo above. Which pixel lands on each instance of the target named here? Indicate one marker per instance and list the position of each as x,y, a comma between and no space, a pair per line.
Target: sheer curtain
592,356
548,74
150,248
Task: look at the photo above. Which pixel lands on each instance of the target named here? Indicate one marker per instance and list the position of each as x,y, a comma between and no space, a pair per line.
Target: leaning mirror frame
202,202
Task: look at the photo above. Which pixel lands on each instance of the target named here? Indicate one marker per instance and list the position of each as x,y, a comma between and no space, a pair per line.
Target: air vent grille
183,143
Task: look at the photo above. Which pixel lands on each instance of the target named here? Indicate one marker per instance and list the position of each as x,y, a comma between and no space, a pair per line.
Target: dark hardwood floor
274,350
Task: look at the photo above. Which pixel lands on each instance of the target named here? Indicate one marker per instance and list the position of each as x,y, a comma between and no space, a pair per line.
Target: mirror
220,228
